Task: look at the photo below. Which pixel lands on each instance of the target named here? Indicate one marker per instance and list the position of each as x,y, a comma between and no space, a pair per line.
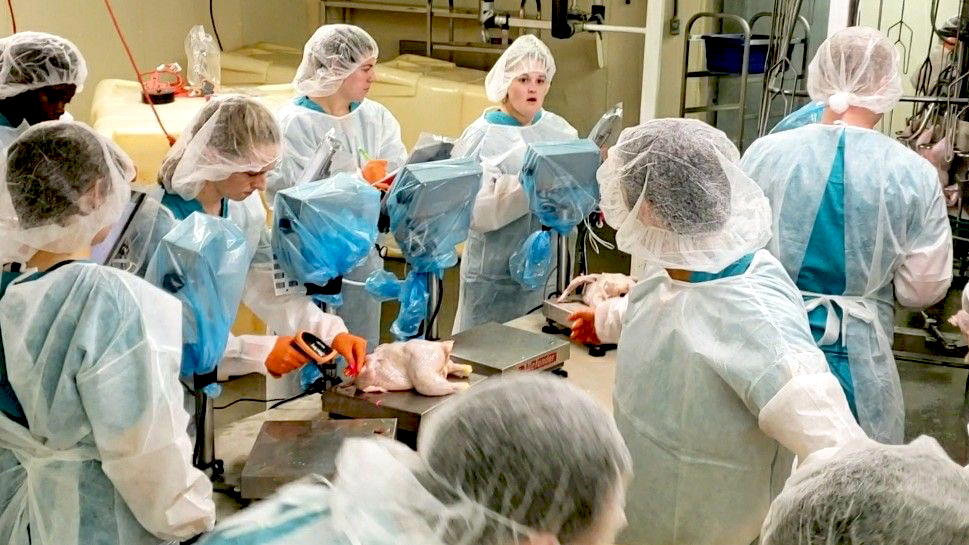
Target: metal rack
778,68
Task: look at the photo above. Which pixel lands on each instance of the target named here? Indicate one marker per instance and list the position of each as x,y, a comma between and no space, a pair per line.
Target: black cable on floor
249,399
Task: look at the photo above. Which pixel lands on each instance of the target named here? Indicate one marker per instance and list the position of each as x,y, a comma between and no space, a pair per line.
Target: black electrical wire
214,29
249,399
437,308
313,389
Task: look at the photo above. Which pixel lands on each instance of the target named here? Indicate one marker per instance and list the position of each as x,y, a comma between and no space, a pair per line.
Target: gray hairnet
63,183
873,494
231,133
857,66
673,192
330,55
533,449
32,60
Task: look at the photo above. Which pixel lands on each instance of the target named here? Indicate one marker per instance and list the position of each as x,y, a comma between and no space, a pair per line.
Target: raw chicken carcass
596,288
418,364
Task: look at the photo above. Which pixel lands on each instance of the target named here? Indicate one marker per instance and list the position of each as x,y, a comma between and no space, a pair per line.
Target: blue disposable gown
859,222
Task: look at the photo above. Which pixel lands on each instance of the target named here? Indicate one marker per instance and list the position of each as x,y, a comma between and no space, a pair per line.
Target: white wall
155,32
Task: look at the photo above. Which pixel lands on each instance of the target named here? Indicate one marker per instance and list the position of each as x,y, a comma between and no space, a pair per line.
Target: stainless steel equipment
289,450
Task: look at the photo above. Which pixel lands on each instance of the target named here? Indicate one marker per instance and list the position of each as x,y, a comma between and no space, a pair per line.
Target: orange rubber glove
374,170
584,326
353,349
285,357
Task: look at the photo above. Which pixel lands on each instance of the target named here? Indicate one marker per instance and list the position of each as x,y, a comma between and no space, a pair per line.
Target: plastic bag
805,115
324,229
413,306
383,285
430,147
606,131
559,179
531,264
429,207
204,62
203,262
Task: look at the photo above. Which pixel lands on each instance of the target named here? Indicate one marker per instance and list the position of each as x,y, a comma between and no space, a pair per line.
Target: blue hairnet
559,179
531,264
430,210
203,262
413,306
324,229
805,115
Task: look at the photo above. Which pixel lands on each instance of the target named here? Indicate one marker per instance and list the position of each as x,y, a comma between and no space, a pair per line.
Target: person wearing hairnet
39,75
526,459
93,446
332,83
718,380
859,221
501,219
874,494
941,56
217,166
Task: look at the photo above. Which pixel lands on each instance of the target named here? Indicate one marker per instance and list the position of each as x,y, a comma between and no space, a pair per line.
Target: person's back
856,217
718,381
90,361
692,398
89,408
889,213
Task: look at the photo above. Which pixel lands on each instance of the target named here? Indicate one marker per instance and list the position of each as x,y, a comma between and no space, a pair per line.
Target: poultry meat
596,288
418,364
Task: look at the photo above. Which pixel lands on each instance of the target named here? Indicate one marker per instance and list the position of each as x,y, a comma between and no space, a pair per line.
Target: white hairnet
515,457
857,66
230,134
61,184
31,60
330,55
674,193
874,494
526,54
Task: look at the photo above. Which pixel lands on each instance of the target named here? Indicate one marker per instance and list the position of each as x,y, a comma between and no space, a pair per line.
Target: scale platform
493,348
290,450
490,349
407,407
557,314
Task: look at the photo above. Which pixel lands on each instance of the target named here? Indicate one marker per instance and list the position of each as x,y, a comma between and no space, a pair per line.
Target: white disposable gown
718,386
93,355
501,220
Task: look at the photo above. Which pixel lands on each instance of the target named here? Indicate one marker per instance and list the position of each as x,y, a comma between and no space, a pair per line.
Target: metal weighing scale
557,318
490,349
493,348
406,407
289,450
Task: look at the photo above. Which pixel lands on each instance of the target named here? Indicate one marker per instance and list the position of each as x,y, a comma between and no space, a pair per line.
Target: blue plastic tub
725,53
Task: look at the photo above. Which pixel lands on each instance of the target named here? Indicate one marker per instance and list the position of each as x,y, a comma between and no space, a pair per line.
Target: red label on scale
540,363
